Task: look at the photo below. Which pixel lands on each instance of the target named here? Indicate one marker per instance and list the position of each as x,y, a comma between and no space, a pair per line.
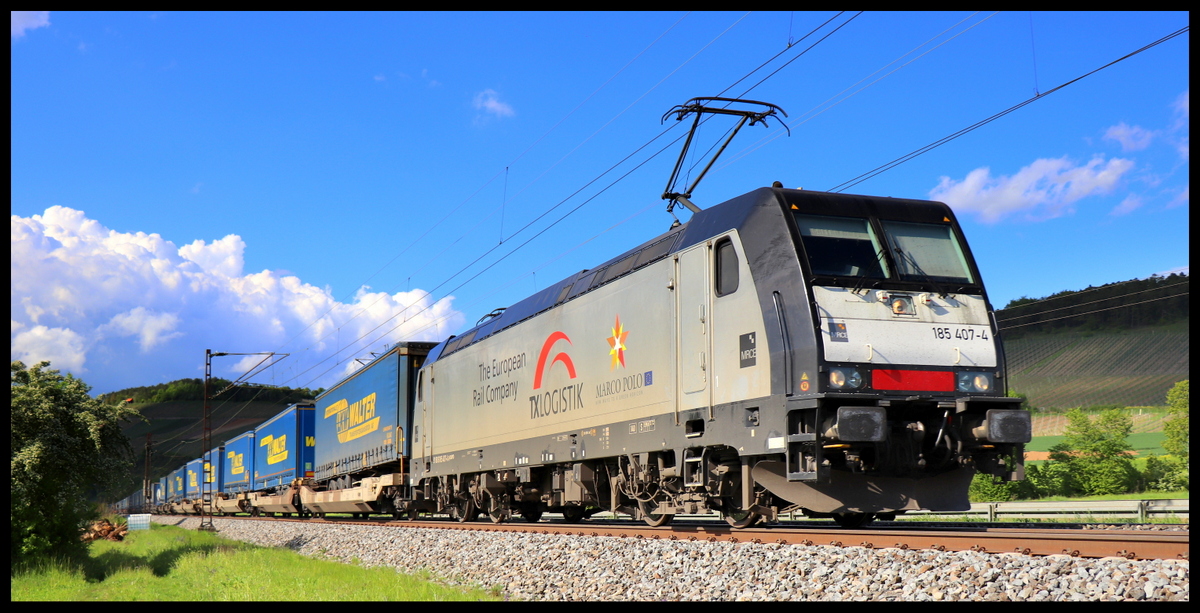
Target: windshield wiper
861,276
936,287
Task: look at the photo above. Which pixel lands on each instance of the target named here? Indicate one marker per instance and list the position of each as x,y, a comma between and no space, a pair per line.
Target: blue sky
322,184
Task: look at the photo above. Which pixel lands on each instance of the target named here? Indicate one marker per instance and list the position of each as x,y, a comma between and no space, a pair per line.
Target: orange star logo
617,343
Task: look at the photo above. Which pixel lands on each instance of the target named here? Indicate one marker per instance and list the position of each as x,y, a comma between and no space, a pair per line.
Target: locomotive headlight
983,382
845,378
974,381
964,381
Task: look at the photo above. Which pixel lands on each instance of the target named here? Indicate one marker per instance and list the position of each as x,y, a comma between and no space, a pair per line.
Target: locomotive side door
693,321
425,405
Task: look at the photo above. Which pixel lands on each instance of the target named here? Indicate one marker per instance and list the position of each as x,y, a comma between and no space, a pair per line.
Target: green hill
176,429
1080,369
1119,344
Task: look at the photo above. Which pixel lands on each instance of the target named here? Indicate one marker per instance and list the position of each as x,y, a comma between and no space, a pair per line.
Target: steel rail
1128,544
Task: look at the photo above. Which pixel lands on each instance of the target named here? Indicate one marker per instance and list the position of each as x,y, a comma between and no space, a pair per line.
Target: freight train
786,350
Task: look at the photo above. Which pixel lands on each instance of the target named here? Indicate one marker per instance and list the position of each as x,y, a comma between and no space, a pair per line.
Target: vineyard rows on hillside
1132,368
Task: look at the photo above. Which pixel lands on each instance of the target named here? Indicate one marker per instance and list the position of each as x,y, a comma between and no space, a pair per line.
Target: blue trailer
364,422
363,433
284,448
194,472
237,466
175,489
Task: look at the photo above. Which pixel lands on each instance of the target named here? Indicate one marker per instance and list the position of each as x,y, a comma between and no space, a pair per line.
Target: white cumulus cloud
489,102
1132,138
1044,189
132,309
23,21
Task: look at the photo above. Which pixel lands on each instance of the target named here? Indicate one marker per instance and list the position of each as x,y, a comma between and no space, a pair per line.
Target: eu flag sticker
649,377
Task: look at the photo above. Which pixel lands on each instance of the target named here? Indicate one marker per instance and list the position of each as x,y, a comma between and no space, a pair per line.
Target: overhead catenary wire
551,209
1120,297
493,178
938,143
1120,306
809,115
1082,291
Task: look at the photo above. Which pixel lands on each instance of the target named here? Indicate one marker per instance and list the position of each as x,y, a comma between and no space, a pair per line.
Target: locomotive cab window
842,246
726,281
923,250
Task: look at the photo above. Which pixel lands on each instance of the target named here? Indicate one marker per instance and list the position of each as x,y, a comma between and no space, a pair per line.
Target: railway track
985,538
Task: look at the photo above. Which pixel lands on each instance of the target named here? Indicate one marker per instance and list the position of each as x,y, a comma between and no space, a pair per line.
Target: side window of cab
726,268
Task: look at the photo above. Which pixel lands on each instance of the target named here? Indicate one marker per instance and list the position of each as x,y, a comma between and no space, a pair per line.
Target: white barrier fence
1091,510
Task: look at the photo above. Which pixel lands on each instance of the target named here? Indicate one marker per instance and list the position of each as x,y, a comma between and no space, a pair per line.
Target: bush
1050,479
985,488
65,446
1167,474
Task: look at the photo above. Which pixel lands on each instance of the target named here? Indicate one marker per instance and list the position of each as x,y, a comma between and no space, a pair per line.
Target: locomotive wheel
653,519
737,517
853,520
531,511
497,510
465,510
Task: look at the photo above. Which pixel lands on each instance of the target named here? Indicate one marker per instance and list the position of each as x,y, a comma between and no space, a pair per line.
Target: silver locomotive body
783,350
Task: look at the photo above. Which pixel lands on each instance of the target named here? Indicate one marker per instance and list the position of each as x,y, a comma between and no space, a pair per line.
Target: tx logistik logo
559,400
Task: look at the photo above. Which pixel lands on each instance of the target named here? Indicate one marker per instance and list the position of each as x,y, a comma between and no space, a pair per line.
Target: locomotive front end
906,401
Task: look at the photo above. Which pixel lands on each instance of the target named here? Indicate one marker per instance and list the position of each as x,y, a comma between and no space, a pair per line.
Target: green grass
1144,443
170,563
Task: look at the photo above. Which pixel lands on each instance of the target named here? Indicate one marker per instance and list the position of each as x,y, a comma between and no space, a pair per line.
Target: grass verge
170,563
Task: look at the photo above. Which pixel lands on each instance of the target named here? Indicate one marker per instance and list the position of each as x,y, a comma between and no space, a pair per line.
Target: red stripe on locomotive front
913,380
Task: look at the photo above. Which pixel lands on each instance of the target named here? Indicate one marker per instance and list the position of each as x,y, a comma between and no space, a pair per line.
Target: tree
1176,426
1095,453
65,446
1172,472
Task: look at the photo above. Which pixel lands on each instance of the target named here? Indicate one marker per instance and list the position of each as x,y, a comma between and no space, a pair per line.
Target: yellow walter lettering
276,448
354,420
236,460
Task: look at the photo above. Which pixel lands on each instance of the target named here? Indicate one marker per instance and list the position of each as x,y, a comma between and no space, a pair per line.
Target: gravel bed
561,567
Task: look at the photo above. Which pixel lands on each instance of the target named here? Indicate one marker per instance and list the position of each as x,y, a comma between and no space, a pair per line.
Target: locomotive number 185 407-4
946,333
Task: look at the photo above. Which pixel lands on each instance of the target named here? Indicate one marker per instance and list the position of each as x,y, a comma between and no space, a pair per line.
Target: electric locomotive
784,350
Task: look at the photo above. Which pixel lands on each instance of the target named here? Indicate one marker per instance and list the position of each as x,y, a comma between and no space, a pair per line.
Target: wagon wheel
653,519
853,520
531,511
736,516
572,514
